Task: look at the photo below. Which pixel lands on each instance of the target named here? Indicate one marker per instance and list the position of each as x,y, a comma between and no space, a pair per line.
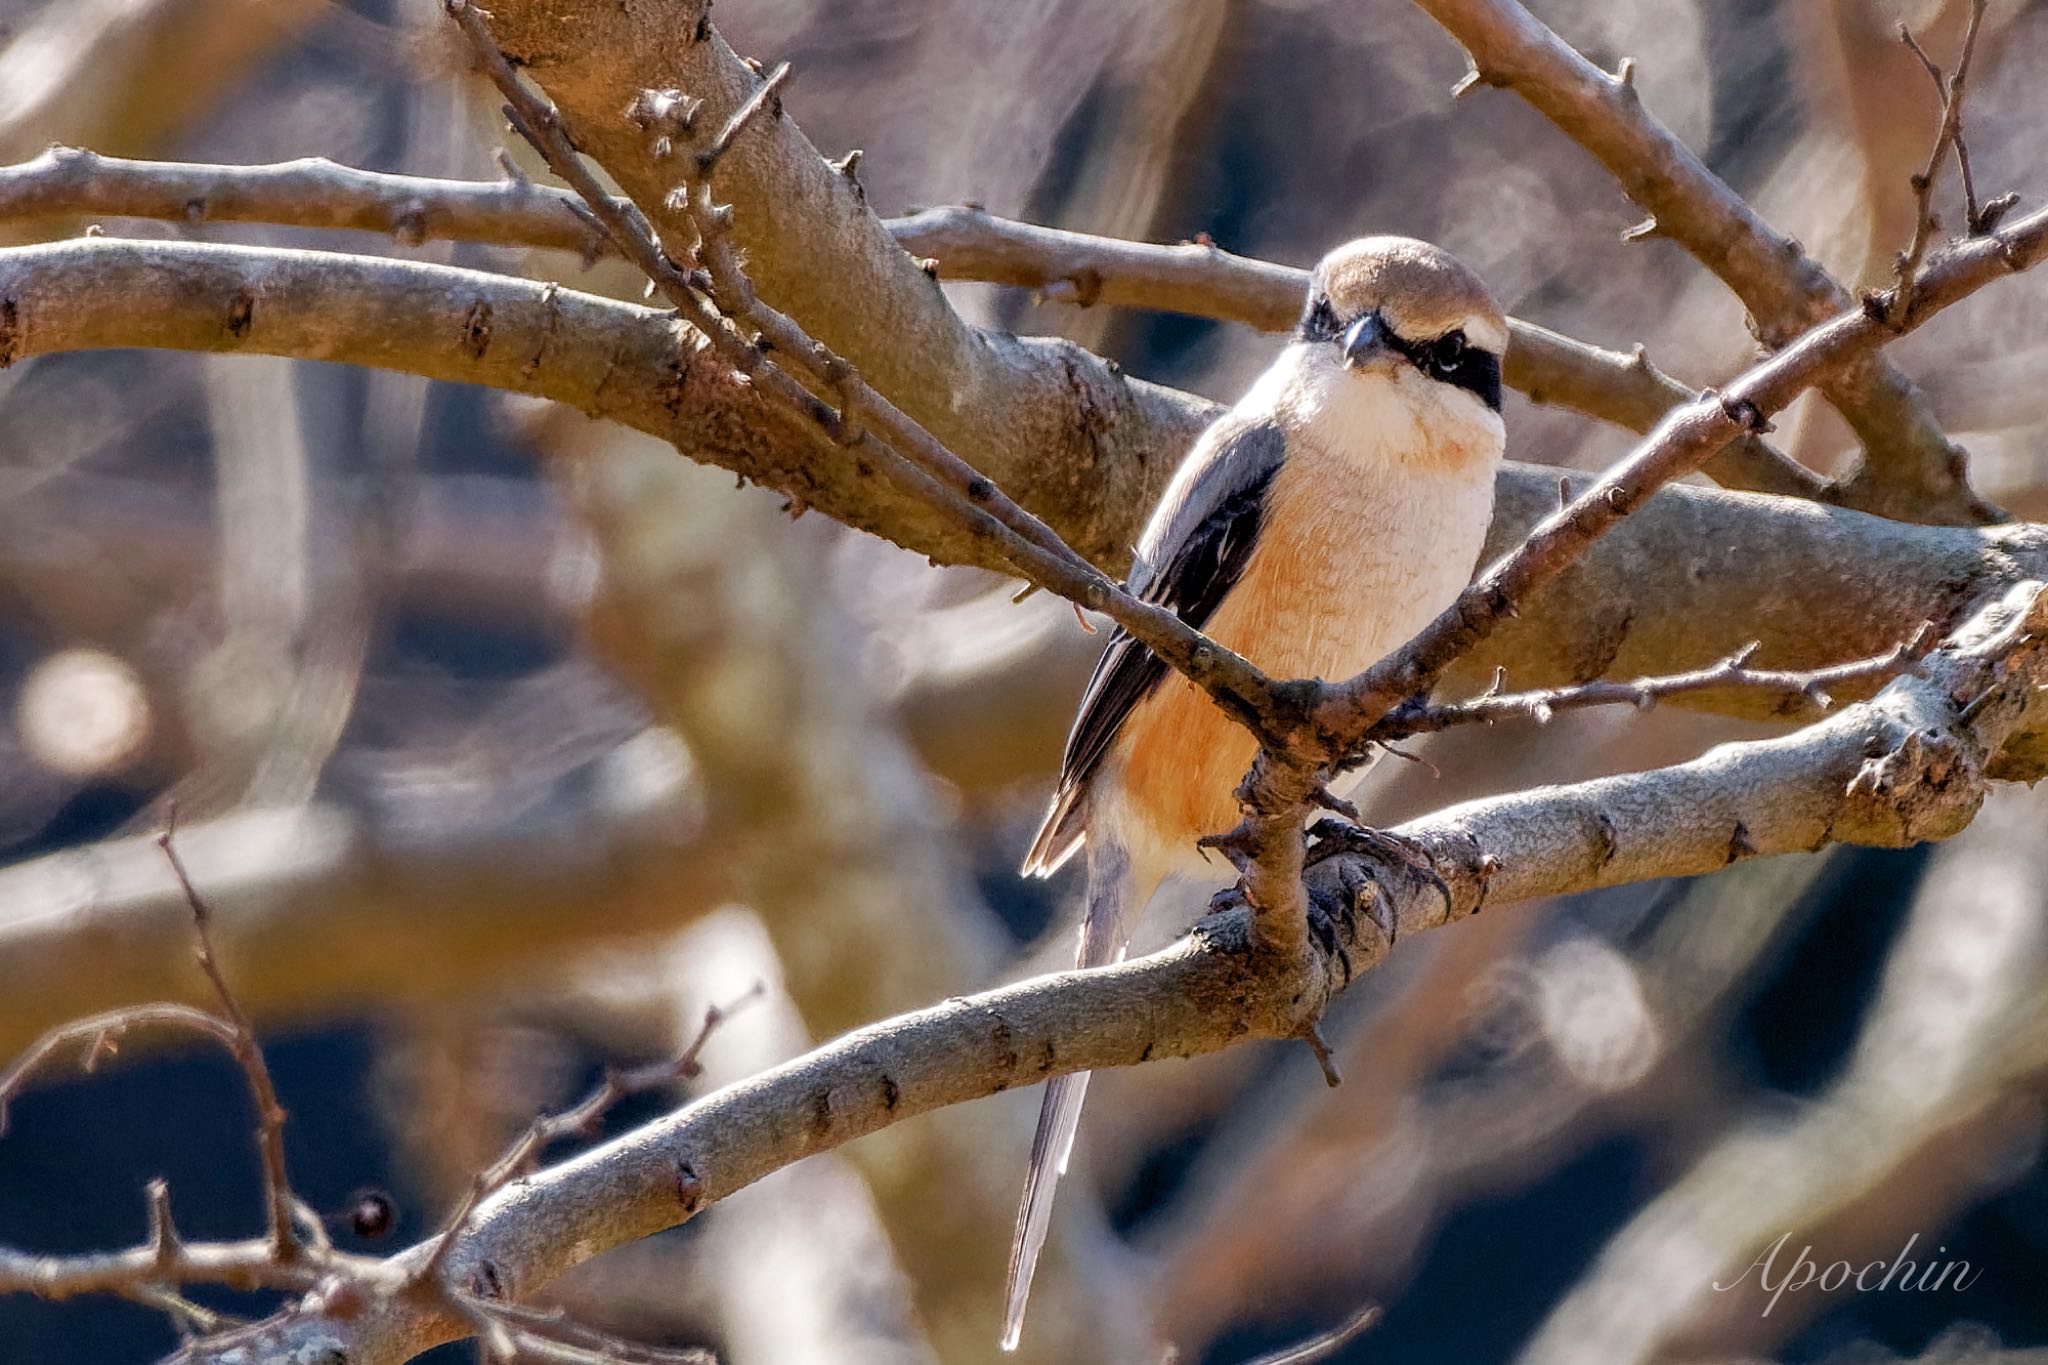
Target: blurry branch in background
295,1255
318,909
1953,1043
805,1267
1910,467
122,71
1323,1345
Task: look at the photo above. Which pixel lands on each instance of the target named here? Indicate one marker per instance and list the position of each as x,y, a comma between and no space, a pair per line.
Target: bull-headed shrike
1313,528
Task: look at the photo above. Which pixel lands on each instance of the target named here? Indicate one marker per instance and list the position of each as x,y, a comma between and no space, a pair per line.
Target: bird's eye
1320,322
1448,350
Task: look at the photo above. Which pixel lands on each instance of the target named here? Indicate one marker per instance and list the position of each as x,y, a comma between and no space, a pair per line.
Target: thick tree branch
313,911
965,243
816,253
1911,468
631,364
1908,766
1694,575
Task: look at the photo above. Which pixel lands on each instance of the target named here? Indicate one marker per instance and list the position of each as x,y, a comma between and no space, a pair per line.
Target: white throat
1375,417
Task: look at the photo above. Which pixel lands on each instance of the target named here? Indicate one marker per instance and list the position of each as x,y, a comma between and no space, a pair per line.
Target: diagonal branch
917,462
817,253
1907,766
1911,468
241,1041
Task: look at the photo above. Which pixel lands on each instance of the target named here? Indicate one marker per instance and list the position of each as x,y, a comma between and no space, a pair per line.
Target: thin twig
1949,135
1325,1344
579,1120
1813,685
100,1033
270,1115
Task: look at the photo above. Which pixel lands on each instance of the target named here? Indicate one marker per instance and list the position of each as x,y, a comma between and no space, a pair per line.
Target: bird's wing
1192,554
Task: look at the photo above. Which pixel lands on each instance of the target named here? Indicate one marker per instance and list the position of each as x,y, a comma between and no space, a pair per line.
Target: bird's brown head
1388,303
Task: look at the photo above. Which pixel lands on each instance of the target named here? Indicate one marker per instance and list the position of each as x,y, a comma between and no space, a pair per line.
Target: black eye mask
1450,358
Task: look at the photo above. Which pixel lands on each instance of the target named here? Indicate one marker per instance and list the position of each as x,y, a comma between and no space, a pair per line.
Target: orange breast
1183,759
1346,569
1302,609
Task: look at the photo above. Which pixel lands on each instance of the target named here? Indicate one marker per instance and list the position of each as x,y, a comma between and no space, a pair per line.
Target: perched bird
1313,528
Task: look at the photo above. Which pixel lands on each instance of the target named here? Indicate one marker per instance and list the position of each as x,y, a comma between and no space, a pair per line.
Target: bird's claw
1329,837
1329,800
1234,844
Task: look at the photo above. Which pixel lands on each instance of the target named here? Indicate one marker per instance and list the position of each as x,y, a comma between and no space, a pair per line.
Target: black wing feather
1188,566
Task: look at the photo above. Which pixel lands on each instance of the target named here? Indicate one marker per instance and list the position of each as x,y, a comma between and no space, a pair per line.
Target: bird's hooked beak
1363,340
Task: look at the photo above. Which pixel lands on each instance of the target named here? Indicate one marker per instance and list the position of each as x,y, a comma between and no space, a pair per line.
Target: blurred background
504,742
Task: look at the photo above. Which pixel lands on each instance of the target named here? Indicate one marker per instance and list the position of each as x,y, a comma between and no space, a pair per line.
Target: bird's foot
1329,837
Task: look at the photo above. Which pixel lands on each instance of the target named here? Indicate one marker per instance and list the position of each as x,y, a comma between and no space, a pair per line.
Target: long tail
1113,900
